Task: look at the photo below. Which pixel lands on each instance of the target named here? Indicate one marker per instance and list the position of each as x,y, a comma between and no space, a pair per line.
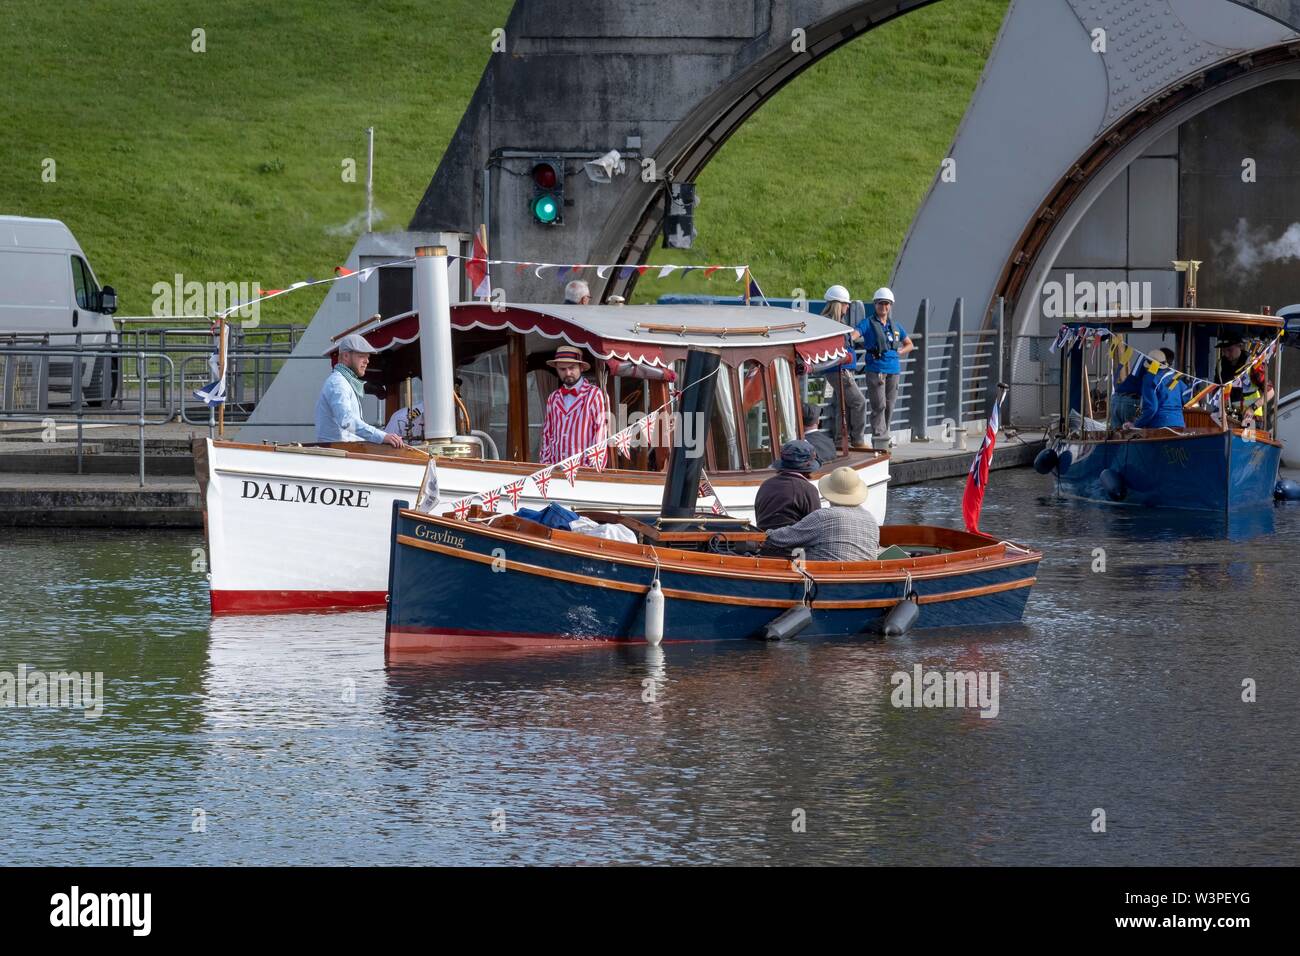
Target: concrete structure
666,81
1074,128
286,411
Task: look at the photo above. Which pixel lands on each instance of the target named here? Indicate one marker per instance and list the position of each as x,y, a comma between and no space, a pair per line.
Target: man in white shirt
338,409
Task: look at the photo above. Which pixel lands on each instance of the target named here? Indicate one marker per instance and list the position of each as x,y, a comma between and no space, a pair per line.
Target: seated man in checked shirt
842,532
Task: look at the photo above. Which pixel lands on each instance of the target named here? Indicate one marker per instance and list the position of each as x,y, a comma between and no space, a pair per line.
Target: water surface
1121,691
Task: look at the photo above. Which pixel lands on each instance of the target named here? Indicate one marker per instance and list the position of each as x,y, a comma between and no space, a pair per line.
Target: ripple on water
1121,690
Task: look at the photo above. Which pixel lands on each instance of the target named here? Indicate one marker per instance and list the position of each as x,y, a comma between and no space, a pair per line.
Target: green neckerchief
350,377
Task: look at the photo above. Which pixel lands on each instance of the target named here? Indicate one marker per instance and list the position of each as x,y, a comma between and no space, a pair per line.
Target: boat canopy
653,335
1171,319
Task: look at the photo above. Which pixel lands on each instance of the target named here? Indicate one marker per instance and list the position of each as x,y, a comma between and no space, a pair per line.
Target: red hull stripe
455,639
280,602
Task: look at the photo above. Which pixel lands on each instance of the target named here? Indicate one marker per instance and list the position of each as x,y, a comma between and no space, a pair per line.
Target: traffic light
547,205
679,217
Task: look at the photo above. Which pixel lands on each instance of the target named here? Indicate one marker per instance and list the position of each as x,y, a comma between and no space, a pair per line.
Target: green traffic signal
545,209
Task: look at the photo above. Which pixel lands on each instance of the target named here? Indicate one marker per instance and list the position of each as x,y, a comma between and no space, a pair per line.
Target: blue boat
1213,462
504,581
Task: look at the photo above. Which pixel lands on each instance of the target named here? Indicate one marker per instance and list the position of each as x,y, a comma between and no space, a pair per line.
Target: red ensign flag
476,268
973,498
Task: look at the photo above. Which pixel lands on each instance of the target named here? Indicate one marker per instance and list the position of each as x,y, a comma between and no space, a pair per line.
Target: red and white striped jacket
565,432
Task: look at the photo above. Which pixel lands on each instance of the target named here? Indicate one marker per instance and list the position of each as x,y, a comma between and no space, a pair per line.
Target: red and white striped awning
655,335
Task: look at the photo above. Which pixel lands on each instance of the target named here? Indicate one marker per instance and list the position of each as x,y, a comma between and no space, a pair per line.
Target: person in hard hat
841,308
885,342
1249,398
577,293
338,409
843,532
1162,396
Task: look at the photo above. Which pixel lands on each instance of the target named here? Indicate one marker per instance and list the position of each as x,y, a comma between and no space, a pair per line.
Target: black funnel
698,391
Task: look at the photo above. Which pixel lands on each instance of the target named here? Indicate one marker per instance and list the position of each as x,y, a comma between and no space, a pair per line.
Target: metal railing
143,378
37,374
1036,381
948,382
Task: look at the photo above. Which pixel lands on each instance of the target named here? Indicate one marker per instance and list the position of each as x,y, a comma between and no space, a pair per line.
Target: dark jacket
823,445
783,499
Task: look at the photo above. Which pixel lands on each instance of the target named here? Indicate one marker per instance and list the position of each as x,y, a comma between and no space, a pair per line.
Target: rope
809,584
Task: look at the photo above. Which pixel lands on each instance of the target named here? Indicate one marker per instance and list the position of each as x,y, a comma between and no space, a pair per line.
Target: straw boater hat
567,353
843,487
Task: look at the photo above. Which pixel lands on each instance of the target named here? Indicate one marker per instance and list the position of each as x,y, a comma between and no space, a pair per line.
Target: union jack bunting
491,499
541,479
571,466
513,491
622,442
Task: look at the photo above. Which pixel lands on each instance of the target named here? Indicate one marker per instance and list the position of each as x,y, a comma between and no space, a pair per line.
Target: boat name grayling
439,535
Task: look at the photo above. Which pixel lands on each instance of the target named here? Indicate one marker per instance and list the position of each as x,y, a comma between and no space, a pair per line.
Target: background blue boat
1210,462
1215,471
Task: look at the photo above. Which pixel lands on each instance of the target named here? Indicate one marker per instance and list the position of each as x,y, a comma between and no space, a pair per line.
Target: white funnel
436,368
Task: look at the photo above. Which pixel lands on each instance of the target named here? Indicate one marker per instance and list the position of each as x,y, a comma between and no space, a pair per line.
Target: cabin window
724,437
786,400
485,390
631,398
541,382
753,403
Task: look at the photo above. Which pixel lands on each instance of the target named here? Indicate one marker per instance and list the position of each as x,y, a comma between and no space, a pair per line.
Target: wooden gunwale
525,468
680,594
773,569
1185,434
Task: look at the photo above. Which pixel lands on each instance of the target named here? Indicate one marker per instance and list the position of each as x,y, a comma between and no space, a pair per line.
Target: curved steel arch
636,220
1040,243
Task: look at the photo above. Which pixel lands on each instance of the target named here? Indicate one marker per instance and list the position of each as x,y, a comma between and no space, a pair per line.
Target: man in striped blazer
576,413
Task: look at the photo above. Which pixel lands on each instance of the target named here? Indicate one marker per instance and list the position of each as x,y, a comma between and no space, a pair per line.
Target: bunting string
590,456
565,271
1071,338
568,270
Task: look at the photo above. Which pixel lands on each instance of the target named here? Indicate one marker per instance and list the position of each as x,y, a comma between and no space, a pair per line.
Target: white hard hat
837,293
576,291
356,343
884,294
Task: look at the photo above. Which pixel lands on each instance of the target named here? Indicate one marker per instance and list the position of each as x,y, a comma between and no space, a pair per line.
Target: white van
48,288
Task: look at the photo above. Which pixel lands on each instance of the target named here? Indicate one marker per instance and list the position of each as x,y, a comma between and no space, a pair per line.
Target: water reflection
302,744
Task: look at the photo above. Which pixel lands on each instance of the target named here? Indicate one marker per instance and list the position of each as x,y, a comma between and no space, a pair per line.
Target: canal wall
44,489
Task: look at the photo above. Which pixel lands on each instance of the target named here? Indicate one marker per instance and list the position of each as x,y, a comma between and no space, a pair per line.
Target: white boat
297,528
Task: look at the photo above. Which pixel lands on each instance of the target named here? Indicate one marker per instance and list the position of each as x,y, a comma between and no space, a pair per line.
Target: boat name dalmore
307,494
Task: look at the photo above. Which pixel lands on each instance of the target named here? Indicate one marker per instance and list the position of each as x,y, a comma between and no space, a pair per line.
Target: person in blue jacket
338,409
884,342
1128,393
1162,406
